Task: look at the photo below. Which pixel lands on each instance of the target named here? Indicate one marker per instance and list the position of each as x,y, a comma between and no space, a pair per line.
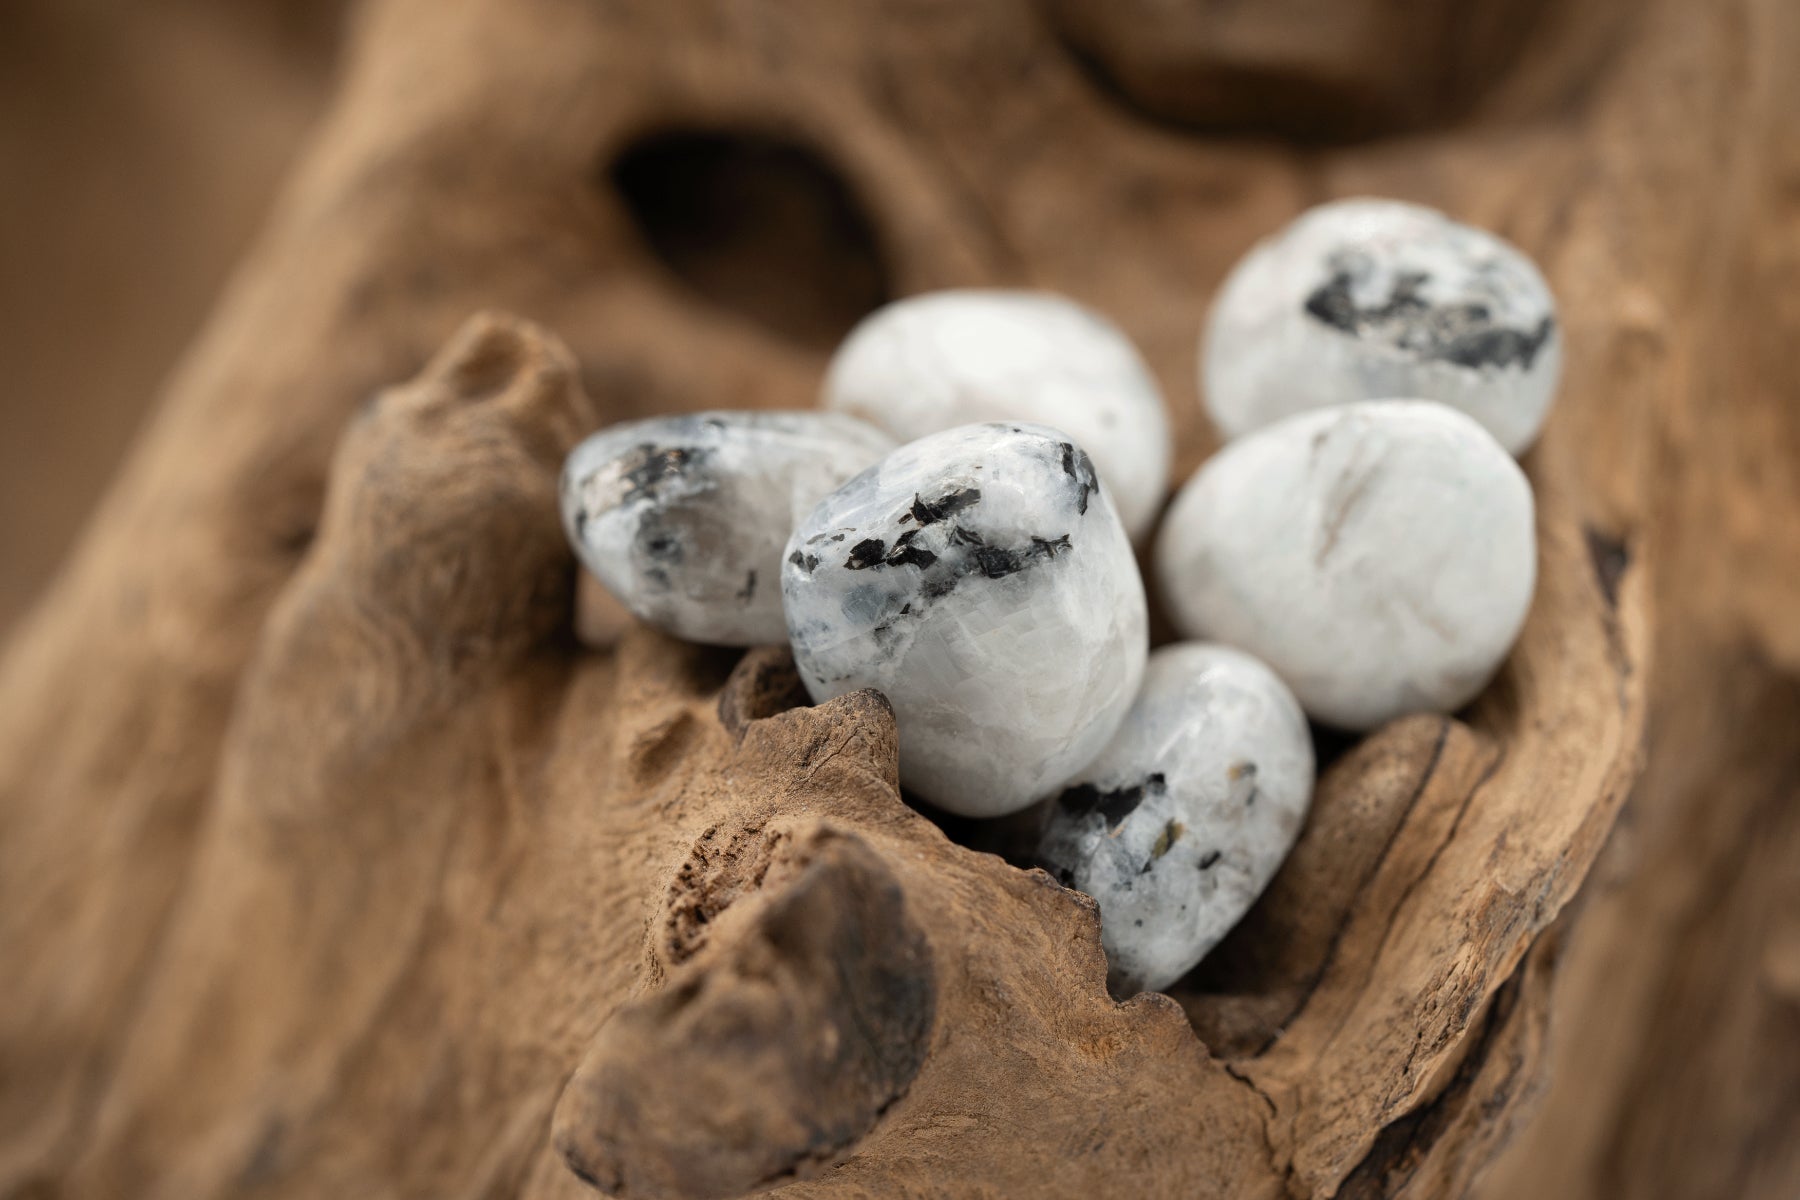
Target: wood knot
769,1056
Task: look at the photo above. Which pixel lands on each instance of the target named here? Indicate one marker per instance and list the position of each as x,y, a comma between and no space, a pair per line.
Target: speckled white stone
1183,819
979,579
944,359
684,518
1367,299
1379,556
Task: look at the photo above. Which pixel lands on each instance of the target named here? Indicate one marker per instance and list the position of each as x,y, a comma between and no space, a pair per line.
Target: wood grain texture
332,863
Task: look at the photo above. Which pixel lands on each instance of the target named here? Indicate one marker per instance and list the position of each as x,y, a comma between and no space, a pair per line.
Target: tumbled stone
1179,824
1370,299
979,579
684,518
1380,556
936,361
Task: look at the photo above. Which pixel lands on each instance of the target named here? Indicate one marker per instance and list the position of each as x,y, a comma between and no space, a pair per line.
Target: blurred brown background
140,147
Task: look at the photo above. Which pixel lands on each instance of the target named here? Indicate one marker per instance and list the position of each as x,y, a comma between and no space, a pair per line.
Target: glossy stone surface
684,518
1370,299
979,579
1179,824
1379,556
943,359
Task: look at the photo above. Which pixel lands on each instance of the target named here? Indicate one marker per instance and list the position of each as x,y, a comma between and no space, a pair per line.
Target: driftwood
331,864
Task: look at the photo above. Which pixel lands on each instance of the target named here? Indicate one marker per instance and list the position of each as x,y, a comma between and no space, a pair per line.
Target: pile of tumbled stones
956,528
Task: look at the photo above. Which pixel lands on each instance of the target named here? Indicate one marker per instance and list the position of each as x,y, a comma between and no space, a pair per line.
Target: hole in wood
757,224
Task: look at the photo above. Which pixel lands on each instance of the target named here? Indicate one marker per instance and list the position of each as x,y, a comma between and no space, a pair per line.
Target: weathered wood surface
330,864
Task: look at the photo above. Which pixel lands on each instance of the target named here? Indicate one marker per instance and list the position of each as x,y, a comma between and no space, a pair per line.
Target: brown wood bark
331,864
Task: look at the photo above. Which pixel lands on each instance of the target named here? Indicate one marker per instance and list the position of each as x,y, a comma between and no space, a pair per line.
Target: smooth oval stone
979,579
1183,819
936,361
1379,556
1367,299
684,518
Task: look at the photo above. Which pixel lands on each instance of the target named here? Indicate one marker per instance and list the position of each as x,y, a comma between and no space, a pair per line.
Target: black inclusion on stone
1114,805
937,589
874,552
1498,347
662,546
1080,470
865,554
1456,333
883,632
1209,859
1333,303
658,466
997,562
905,554
806,562
929,512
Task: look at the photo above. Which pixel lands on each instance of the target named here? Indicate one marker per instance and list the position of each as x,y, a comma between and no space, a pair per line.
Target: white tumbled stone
943,359
1380,556
979,579
1179,824
684,518
1366,299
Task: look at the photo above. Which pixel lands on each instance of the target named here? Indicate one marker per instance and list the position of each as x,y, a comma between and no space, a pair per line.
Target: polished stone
1179,824
1380,556
1372,299
979,579
684,518
943,359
